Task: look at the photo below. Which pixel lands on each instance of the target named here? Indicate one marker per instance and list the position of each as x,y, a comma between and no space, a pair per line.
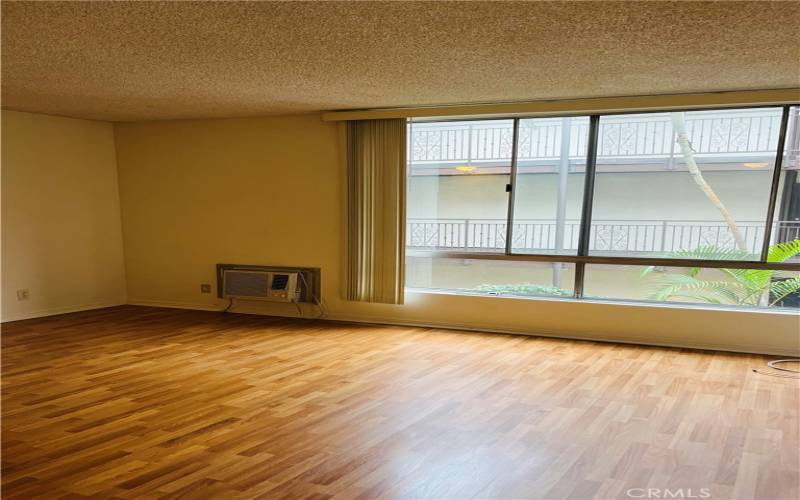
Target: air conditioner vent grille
246,283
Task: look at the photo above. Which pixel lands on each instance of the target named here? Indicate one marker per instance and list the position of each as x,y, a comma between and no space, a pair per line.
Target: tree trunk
682,138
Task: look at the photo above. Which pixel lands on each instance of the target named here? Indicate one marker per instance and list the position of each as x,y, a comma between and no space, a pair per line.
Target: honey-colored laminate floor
145,402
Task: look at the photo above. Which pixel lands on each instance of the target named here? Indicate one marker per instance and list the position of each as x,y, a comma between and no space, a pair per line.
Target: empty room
400,250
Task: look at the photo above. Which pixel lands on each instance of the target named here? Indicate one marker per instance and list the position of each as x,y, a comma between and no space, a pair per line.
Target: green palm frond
781,252
706,252
674,285
752,279
710,299
710,252
744,287
781,289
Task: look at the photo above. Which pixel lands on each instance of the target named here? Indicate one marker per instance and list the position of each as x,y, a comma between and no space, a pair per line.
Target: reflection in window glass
684,184
457,176
551,166
732,287
490,277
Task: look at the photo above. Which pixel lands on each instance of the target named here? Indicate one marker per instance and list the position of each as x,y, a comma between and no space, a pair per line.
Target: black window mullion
588,196
776,179
512,187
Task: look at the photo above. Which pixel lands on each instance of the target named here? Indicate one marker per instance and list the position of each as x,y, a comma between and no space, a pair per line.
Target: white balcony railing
607,236
742,133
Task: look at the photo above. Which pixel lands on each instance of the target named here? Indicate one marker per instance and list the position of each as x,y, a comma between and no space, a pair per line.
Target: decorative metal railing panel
650,135
606,236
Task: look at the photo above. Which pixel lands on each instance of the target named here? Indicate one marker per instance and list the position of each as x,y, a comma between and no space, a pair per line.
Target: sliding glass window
457,177
549,182
459,173
692,207
684,184
786,219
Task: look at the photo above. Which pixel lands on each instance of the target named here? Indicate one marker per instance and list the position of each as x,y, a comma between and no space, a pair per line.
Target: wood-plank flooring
143,402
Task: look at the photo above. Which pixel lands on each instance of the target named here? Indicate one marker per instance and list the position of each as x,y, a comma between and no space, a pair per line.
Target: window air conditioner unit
271,286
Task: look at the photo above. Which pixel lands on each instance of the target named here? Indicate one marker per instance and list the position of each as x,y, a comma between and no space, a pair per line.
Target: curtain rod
583,105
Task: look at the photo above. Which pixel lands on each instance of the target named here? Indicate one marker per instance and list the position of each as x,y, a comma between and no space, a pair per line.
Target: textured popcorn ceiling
159,60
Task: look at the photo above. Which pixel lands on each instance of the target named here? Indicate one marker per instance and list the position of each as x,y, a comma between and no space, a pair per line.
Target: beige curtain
376,177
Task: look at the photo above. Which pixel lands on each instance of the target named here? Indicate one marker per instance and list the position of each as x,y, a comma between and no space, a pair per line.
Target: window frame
582,257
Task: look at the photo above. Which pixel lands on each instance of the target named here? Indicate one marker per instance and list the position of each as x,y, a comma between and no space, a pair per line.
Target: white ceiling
124,61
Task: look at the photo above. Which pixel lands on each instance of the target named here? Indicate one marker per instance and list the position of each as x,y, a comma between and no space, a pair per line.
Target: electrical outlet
23,294
205,288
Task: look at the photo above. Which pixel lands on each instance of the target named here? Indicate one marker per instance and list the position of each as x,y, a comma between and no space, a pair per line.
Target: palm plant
742,286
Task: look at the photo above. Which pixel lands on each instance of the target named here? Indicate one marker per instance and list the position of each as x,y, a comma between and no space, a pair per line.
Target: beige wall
61,233
271,191
198,193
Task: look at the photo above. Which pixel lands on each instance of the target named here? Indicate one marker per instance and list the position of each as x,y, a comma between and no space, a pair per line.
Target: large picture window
696,207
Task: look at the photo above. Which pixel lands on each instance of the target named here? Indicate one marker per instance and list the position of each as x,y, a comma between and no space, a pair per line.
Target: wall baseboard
656,342
174,305
53,311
